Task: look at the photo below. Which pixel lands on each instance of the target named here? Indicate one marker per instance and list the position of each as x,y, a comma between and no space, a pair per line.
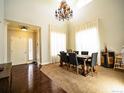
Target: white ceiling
51,4
73,3
77,3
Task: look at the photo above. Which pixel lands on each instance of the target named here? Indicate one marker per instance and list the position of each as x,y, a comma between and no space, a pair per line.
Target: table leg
61,64
84,69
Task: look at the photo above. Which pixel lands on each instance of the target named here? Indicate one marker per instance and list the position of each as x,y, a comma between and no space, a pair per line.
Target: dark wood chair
92,62
74,61
77,52
69,50
84,52
64,58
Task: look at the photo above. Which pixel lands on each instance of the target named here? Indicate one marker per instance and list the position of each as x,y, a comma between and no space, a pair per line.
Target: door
19,50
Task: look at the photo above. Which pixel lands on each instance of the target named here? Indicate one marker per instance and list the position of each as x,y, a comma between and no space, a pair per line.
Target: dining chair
92,62
77,52
74,61
69,50
64,58
84,52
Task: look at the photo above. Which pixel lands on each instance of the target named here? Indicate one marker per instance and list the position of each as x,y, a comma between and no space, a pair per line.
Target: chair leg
71,67
82,66
77,70
96,69
88,69
68,65
92,71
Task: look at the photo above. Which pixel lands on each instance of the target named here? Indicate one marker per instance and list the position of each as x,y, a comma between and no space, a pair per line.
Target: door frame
6,53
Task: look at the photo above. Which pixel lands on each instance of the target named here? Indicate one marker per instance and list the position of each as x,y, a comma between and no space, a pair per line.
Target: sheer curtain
58,43
87,38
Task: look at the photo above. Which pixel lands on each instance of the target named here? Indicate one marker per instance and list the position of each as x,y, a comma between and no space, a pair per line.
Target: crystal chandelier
64,11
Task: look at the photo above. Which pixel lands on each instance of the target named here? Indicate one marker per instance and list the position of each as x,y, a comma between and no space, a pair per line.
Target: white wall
111,19
35,12
1,30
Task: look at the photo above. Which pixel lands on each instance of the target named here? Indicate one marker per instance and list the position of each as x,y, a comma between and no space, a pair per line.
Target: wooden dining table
83,61
84,64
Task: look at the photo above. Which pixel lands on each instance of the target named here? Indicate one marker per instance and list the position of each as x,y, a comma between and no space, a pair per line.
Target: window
58,43
87,40
30,47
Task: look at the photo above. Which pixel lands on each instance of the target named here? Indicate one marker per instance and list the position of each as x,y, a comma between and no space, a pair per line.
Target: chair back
63,57
73,59
69,50
94,59
77,52
84,52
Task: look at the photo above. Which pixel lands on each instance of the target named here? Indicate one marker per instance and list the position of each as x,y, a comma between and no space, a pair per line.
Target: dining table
83,61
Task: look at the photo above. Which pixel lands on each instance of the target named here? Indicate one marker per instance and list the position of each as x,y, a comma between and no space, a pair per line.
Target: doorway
23,45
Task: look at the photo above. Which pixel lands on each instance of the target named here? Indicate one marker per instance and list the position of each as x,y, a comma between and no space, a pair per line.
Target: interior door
19,50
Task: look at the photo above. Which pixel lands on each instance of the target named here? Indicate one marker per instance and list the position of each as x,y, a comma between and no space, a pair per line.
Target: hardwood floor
29,79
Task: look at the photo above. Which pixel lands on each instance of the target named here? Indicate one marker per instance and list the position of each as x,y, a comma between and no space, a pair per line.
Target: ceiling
74,4
77,3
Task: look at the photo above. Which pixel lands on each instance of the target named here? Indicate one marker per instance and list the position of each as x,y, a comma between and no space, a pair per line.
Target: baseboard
46,63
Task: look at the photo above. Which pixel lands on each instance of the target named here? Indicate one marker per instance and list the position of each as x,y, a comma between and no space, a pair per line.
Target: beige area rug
105,81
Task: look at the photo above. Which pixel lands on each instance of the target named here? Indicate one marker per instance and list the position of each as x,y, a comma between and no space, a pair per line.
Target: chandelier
64,11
